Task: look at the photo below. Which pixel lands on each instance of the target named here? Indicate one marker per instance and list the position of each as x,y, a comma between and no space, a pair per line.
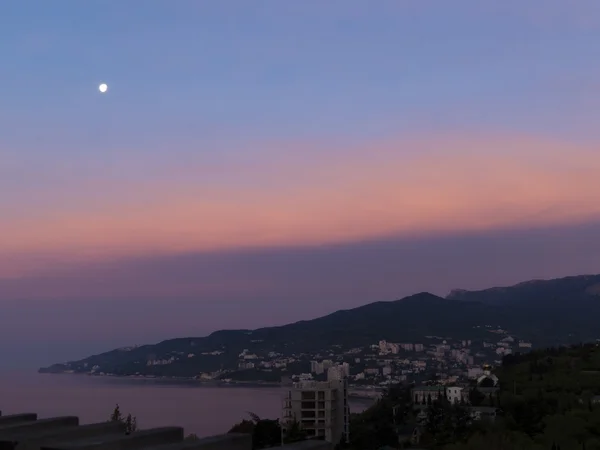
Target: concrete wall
17,418
25,432
138,440
40,425
230,441
34,441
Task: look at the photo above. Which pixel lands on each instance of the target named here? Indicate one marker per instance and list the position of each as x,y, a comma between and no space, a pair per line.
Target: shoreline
172,380
360,393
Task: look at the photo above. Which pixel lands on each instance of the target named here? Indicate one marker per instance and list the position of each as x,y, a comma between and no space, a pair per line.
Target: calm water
200,409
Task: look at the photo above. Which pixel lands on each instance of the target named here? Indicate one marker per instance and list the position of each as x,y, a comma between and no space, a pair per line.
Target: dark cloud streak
149,299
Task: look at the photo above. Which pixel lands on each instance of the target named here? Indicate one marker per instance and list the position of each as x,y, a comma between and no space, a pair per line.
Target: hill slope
536,292
547,313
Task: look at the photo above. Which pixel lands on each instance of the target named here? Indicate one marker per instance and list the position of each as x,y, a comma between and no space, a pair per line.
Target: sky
258,163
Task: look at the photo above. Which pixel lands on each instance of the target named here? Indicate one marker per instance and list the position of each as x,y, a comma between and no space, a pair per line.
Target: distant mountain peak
422,297
455,292
534,291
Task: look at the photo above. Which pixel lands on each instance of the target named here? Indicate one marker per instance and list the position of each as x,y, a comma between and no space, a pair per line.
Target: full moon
103,88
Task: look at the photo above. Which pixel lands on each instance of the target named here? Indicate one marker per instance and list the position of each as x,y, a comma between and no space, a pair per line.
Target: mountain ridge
546,312
528,290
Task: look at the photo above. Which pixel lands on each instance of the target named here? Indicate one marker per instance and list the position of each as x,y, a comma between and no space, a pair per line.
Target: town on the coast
437,372
318,385
368,369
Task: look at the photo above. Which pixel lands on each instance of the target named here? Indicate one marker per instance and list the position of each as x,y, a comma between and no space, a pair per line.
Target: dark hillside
536,292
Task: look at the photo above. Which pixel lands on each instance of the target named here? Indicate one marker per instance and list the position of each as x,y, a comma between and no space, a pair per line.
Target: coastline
360,393
172,380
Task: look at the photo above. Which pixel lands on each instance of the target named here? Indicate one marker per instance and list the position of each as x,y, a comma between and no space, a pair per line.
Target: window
308,396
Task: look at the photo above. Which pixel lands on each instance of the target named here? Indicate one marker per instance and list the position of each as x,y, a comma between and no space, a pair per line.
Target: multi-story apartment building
321,409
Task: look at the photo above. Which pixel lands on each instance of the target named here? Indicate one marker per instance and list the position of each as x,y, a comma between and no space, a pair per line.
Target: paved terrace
26,432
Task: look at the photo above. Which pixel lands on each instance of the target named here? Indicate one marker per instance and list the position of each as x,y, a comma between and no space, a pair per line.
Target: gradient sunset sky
260,162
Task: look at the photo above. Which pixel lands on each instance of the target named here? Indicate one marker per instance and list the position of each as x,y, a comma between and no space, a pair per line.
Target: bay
200,408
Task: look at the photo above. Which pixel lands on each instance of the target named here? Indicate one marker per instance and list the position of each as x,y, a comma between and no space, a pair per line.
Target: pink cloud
290,194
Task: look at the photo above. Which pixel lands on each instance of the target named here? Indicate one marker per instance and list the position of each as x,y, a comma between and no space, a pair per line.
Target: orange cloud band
295,195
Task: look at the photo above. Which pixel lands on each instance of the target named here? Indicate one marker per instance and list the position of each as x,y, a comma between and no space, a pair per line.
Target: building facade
320,408
454,394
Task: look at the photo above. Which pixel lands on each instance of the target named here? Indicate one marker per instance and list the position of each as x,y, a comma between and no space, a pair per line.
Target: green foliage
130,424
268,433
446,422
547,399
294,433
476,398
496,440
378,425
245,426
116,415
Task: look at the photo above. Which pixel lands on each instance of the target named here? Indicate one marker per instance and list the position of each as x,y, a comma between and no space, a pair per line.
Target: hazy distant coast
374,345
169,380
357,393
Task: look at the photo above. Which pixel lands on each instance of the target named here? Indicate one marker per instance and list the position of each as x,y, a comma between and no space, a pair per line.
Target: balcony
315,426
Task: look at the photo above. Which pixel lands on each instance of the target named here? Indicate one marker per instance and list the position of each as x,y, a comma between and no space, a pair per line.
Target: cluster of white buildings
454,393
160,362
385,347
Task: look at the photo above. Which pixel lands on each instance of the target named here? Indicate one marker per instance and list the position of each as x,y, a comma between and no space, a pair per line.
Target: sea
200,408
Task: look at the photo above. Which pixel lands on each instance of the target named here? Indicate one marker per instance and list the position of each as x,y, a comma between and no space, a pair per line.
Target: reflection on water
200,409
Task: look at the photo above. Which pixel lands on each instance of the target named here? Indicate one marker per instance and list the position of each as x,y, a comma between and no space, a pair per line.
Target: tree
476,398
376,426
130,421
116,415
265,432
130,424
487,383
294,432
435,417
245,426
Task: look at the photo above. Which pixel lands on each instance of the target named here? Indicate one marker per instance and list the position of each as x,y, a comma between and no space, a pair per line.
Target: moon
103,88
